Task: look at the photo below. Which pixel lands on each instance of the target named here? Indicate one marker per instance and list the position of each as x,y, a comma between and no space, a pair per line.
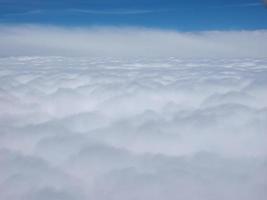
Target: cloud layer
123,129
130,42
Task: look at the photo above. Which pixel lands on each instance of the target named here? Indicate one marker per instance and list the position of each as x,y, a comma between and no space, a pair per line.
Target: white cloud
107,128
36,12
129,42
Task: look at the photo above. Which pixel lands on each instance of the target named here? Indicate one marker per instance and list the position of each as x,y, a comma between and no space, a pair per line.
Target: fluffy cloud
95,128
129,42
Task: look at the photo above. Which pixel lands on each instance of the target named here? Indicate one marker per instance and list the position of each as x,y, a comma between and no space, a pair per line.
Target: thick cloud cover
129,42
127,129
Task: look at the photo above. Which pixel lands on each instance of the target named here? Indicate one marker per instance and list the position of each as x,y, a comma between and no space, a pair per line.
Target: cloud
25,176
28,40
244,5
33,13
131,128
113,12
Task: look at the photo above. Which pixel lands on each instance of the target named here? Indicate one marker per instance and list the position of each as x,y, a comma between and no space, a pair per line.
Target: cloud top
91,128
29,40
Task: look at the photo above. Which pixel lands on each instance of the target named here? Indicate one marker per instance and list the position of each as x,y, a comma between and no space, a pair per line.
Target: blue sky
180,14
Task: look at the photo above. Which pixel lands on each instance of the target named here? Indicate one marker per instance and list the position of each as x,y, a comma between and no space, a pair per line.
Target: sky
139,28
133,99
182,15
